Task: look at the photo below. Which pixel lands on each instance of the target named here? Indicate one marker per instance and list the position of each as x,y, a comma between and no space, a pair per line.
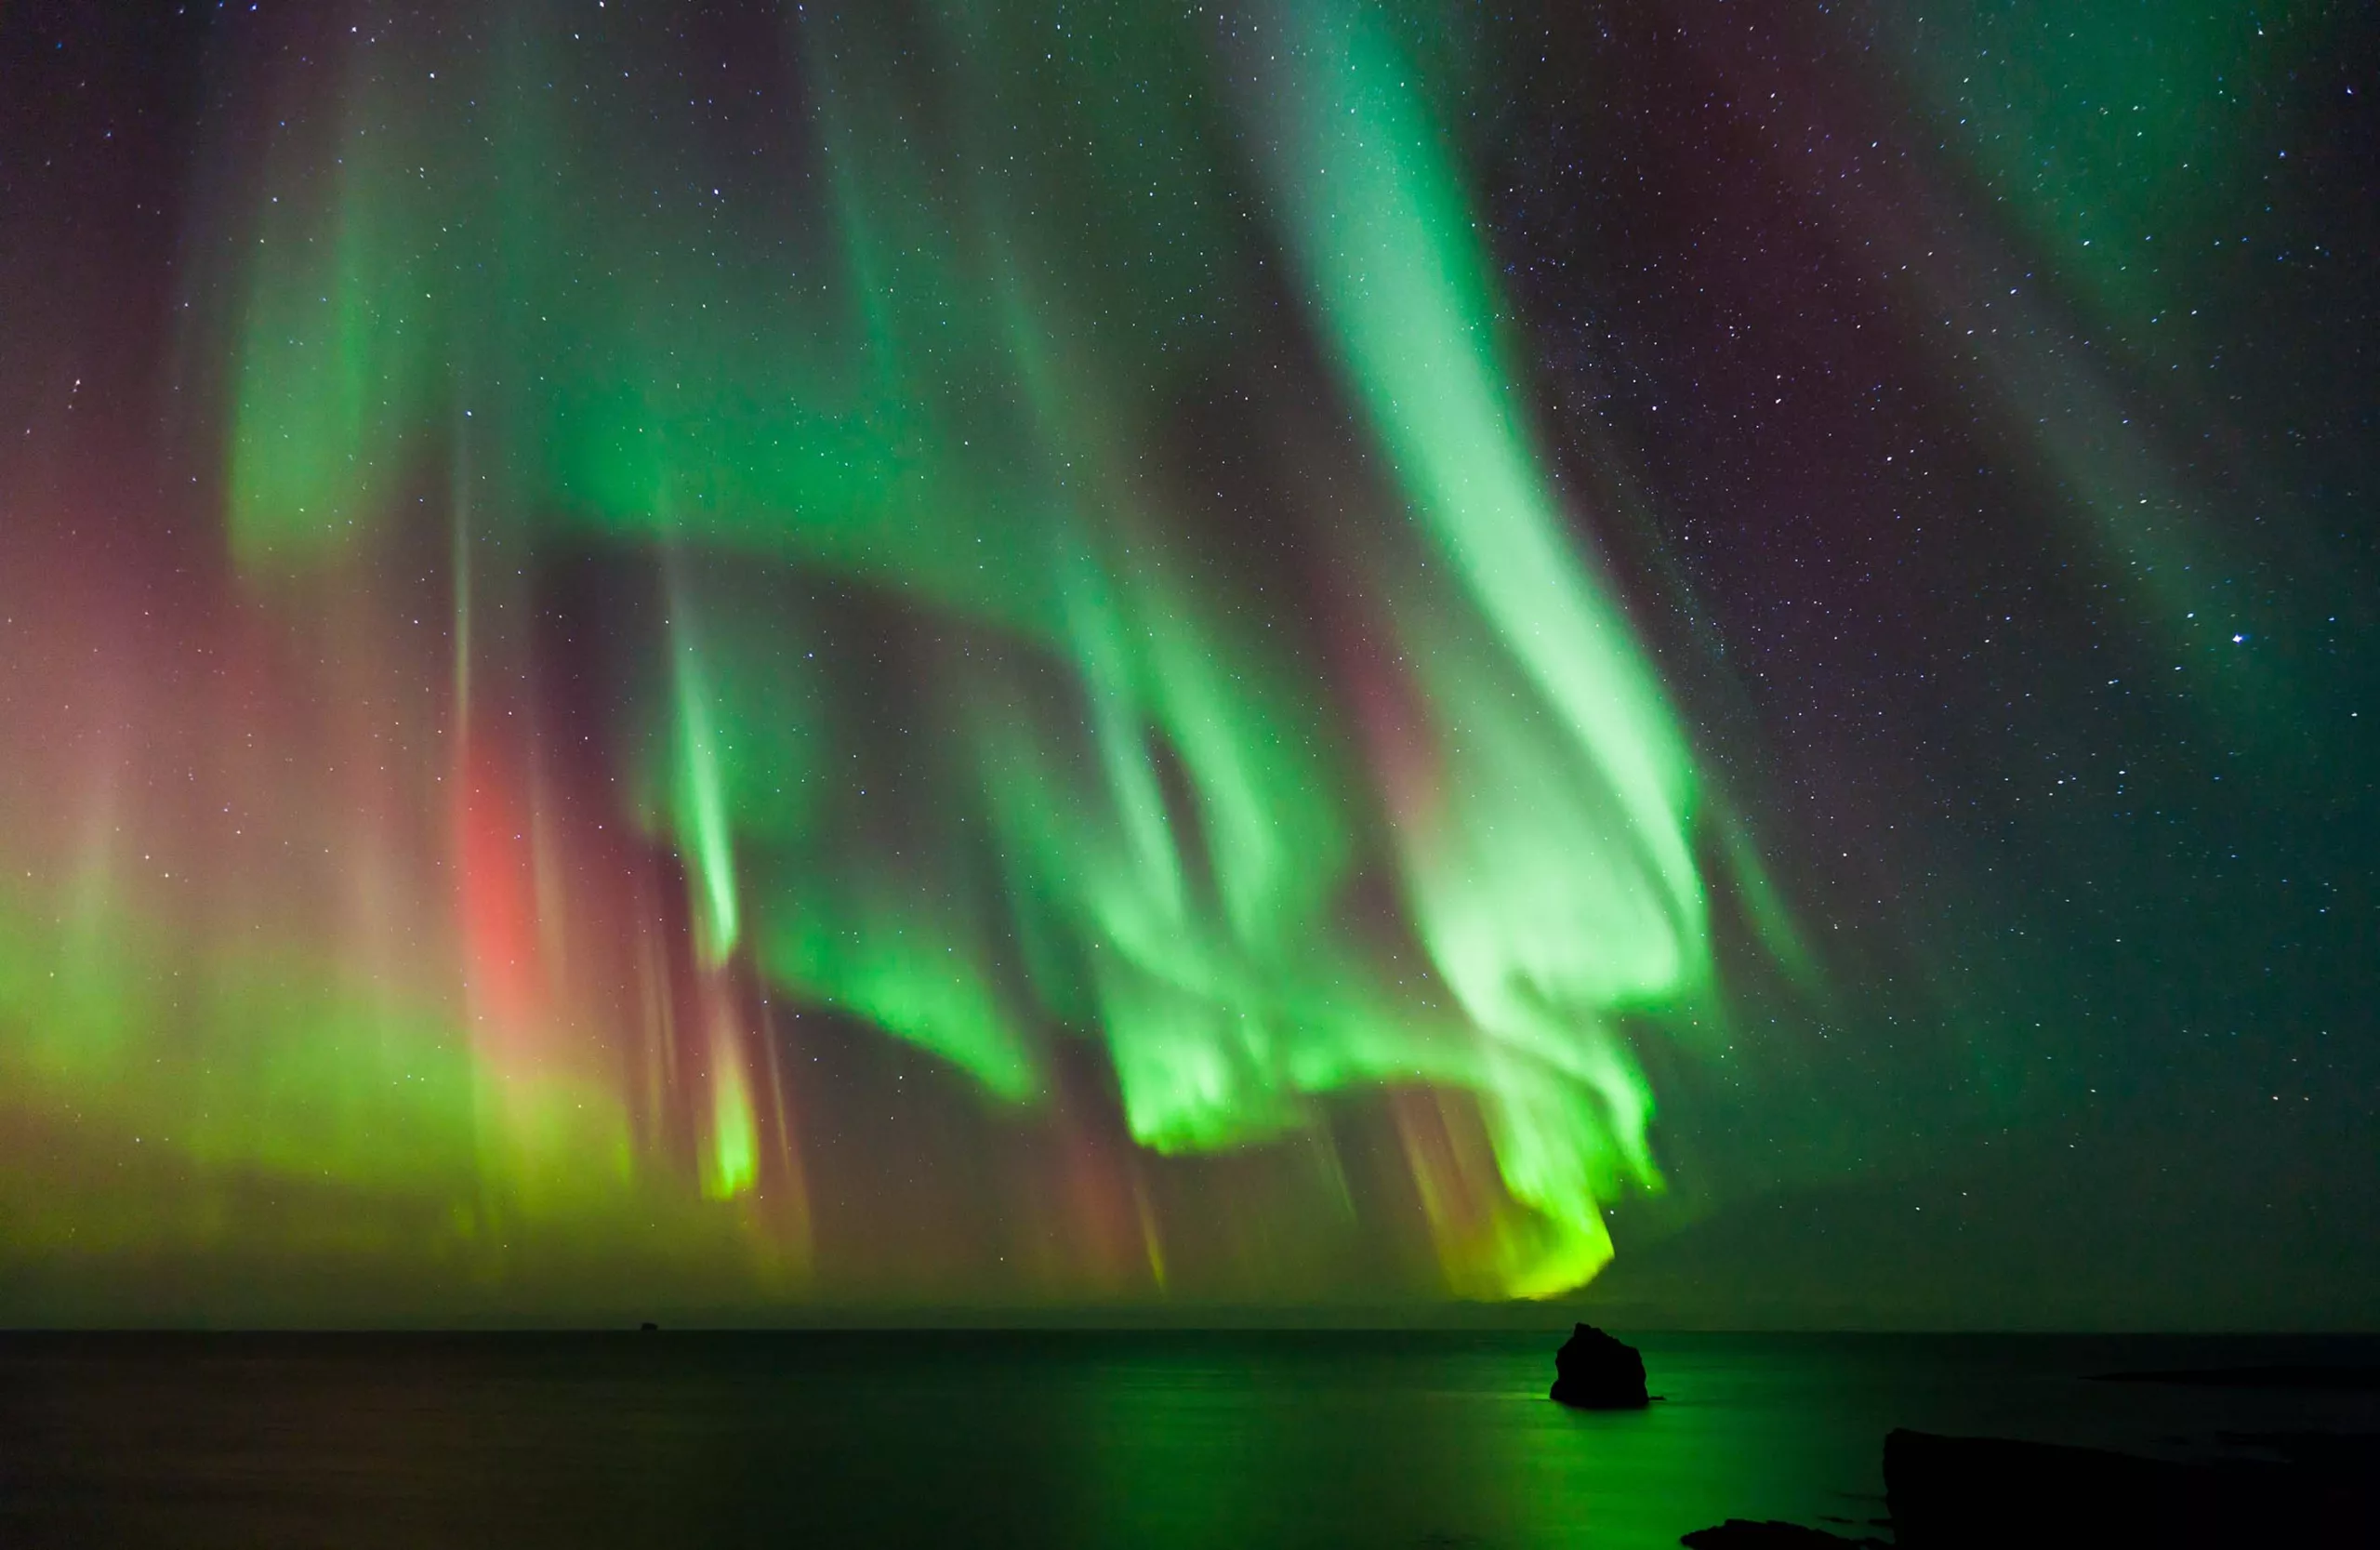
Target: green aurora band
956,714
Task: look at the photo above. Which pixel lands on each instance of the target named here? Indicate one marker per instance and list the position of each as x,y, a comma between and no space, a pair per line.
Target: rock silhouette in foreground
1594,1372
1742,1533
1986,1493
1959,1491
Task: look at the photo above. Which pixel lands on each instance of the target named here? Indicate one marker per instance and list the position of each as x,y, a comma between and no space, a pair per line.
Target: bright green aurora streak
960,718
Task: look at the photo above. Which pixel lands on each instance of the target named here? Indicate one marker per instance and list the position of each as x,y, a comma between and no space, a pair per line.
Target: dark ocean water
1035,1439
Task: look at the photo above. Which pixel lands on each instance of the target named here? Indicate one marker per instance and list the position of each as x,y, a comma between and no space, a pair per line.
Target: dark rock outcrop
1953,1493
1974,1492
1742,1533
1594,1372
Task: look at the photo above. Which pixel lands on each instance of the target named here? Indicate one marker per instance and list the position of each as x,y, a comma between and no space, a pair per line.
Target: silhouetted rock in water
1594,1372
1973,1493
1742,1533
2356,1452
648,1327
1953,1493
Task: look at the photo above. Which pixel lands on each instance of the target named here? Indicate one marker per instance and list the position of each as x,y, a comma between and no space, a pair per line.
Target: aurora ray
958,652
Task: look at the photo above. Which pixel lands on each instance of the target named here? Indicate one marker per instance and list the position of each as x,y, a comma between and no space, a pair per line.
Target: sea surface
1040,1440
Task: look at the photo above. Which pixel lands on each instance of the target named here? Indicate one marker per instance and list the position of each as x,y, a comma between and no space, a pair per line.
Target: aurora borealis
977,653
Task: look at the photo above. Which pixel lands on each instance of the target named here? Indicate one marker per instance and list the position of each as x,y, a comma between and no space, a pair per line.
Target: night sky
767,661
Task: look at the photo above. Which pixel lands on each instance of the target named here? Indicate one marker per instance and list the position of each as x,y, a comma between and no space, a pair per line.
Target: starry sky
1358,657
